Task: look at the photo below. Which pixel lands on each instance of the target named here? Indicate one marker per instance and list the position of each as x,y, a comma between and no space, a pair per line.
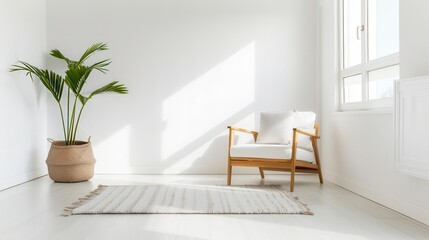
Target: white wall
414,38
23,110
357,148
193,67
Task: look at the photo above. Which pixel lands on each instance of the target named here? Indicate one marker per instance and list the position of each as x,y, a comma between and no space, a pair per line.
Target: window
369,33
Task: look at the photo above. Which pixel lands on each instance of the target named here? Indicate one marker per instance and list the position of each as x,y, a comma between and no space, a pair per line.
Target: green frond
26,67
56,83
56,53
76,78
100,66
113,87
94,48
52,81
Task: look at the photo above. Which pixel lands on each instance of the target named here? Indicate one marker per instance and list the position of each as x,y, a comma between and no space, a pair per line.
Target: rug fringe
307,213
68,210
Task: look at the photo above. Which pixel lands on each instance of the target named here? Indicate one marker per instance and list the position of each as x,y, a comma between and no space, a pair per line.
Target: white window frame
364,68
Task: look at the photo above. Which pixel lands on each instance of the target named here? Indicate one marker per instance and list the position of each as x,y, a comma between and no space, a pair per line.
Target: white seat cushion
272,151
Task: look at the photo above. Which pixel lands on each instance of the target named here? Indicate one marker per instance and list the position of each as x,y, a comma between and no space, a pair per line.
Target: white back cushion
275,127
305,121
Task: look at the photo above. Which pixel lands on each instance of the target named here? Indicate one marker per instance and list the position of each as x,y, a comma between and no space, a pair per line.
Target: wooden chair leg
261,171
230,143
292,179
320,175
292,167
317,157
229,174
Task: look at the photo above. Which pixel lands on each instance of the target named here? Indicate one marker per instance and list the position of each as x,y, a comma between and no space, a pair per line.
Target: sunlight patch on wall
208,101
114,152
187,161
198,155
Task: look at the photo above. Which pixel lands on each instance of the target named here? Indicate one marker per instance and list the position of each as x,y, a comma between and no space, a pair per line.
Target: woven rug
188,199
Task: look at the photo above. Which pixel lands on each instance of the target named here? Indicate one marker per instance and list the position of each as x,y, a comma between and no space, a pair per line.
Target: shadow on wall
192,67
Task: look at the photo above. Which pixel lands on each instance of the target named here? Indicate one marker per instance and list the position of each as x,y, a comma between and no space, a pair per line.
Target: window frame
364,67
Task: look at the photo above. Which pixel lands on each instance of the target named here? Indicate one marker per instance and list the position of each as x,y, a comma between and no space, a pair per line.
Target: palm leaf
30,69
113,87
76,78
100,66
56,83
94,48
52,81
56,53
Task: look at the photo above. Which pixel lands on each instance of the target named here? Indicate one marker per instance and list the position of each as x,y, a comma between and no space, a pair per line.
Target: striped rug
188,199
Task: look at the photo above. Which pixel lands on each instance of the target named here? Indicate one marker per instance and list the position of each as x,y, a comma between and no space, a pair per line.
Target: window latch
359,29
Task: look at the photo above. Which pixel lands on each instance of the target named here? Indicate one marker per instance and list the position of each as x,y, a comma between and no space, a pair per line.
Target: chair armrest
242,130
231,134
306,133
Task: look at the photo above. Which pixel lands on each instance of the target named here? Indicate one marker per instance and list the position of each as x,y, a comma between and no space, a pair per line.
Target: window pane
351,21
381,82
383,28
353,89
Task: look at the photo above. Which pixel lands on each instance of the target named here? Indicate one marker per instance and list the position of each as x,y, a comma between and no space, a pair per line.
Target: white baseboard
404,207
21,178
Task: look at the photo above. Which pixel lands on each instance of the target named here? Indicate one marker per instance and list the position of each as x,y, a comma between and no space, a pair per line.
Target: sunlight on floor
230,223
208,101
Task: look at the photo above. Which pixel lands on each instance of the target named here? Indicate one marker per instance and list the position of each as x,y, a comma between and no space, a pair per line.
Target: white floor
33,211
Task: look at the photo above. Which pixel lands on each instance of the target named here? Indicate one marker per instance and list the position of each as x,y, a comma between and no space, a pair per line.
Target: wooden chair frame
292,165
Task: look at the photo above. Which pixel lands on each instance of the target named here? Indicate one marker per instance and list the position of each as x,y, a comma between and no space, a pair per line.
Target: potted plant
71,160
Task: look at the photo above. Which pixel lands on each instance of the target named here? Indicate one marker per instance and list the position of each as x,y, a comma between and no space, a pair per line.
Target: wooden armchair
276,157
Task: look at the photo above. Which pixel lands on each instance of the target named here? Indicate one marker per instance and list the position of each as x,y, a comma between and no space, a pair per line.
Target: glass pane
353,89
383,28
351,36
381,82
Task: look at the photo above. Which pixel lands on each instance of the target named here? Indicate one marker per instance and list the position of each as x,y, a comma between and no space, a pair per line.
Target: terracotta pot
70,163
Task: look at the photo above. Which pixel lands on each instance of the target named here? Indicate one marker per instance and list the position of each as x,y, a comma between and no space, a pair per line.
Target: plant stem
62,120
72,125
70,137
68,115
77,123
